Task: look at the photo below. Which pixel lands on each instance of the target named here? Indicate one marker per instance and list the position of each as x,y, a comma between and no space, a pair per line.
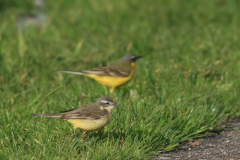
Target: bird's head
131,57
106,103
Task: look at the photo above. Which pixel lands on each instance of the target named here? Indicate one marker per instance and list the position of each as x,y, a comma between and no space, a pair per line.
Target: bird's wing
89,111
68,110
117,69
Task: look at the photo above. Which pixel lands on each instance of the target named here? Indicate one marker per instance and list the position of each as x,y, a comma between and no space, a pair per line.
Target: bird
89,117
113,75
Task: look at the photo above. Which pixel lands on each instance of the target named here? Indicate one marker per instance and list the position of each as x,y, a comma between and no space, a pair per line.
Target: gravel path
223,146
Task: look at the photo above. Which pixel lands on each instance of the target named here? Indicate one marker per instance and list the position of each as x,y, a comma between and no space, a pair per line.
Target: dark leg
84,137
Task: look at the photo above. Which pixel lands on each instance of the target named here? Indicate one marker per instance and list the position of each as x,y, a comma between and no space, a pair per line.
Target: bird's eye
107,103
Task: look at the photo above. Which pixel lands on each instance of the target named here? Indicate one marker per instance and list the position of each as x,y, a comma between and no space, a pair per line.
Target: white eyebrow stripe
104,101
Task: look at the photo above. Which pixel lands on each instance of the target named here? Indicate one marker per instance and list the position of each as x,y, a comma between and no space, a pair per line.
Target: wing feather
119,69
89,111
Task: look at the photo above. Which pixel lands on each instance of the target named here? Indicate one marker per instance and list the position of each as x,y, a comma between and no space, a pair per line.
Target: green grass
187,82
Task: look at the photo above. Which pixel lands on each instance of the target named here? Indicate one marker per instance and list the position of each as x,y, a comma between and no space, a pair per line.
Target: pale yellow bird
90,117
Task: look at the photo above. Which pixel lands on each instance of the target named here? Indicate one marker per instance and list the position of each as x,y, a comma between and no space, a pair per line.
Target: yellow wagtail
90,117
113,75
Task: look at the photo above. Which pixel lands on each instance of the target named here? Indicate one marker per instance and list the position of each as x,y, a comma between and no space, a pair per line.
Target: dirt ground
224,145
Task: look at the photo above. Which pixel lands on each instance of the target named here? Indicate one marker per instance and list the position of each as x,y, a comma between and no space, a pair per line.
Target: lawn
185,85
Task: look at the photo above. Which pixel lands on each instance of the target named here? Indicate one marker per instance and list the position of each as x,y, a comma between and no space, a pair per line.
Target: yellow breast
111,81
90,124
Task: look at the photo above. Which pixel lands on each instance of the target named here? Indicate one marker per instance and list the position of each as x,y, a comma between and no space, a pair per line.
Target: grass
186,83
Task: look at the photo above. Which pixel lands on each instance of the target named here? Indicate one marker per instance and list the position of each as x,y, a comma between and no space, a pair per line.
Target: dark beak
136,58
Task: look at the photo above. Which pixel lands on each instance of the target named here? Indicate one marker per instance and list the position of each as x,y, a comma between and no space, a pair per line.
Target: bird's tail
56,115
72,72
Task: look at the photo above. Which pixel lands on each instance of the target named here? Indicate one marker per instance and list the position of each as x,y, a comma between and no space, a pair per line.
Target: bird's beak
115,104
137,57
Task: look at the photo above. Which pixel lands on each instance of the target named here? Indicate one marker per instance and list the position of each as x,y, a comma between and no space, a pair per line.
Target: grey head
131,57
106,103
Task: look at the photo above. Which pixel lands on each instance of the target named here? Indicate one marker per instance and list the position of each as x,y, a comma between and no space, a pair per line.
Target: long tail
57,115
72,72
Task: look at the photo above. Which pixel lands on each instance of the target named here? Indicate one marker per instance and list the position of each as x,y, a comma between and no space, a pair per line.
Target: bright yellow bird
90,117
113,75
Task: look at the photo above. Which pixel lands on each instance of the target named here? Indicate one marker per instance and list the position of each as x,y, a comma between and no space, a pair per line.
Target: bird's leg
84,137
112,89
73,131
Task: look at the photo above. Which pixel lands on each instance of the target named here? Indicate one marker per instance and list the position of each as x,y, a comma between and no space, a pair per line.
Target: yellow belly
111,81
90,124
